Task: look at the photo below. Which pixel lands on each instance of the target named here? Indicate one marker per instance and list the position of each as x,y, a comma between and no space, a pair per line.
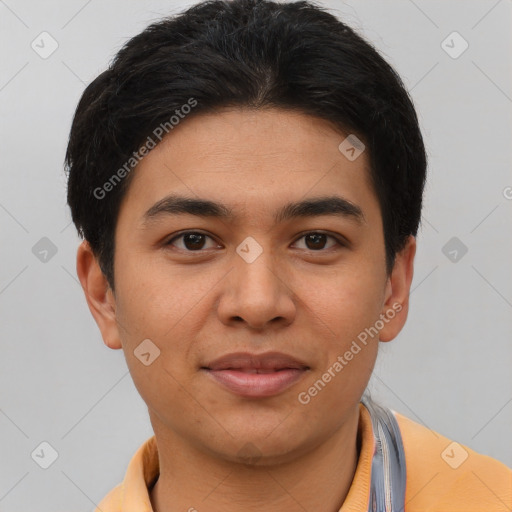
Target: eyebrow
179,205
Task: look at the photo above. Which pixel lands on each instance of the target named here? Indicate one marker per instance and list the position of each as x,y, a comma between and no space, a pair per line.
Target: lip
256,375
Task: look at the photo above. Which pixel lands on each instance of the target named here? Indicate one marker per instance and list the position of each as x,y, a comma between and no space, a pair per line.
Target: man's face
319,282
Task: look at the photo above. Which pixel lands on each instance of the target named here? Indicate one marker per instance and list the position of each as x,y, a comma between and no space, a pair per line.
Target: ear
99,295
396,304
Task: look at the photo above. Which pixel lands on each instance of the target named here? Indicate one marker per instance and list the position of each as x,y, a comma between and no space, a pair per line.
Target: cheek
153,299
169,308
345,302
344,309
162,311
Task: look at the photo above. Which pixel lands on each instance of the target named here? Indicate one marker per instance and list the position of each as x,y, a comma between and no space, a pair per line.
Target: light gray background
449,368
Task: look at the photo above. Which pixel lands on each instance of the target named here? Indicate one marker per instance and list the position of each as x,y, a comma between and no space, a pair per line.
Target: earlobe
98,294
396,304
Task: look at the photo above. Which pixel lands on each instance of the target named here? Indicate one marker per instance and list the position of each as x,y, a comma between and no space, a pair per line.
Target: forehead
235,135
255,159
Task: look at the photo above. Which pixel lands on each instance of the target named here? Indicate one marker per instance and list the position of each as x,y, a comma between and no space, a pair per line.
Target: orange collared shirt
442,476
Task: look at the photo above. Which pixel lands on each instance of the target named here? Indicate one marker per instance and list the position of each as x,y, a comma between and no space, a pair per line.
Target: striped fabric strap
387,487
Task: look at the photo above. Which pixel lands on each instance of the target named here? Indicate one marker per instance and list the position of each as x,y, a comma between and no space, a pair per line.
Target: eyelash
339,241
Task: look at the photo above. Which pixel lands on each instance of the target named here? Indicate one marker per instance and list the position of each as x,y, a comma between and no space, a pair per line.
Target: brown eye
190,241
317,241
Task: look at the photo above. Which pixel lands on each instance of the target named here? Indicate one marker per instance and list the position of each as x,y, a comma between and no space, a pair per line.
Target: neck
318,479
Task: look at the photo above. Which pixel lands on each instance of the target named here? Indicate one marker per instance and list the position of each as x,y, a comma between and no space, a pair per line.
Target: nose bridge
255,271
258,293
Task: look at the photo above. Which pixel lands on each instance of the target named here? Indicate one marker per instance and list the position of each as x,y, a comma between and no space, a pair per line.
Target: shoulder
445,476
112,501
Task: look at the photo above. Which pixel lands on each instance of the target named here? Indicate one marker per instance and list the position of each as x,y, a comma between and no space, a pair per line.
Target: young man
248,179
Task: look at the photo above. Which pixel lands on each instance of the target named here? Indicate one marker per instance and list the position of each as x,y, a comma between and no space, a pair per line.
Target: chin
268,448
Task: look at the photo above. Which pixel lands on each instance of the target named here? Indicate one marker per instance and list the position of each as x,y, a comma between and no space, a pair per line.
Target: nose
257,295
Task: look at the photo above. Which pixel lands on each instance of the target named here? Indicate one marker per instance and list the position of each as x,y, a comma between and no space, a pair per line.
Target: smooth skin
196,299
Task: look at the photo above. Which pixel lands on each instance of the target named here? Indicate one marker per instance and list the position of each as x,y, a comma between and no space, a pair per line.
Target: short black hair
242,53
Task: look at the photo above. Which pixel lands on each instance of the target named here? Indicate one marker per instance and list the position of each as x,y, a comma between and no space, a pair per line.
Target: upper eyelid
193,231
